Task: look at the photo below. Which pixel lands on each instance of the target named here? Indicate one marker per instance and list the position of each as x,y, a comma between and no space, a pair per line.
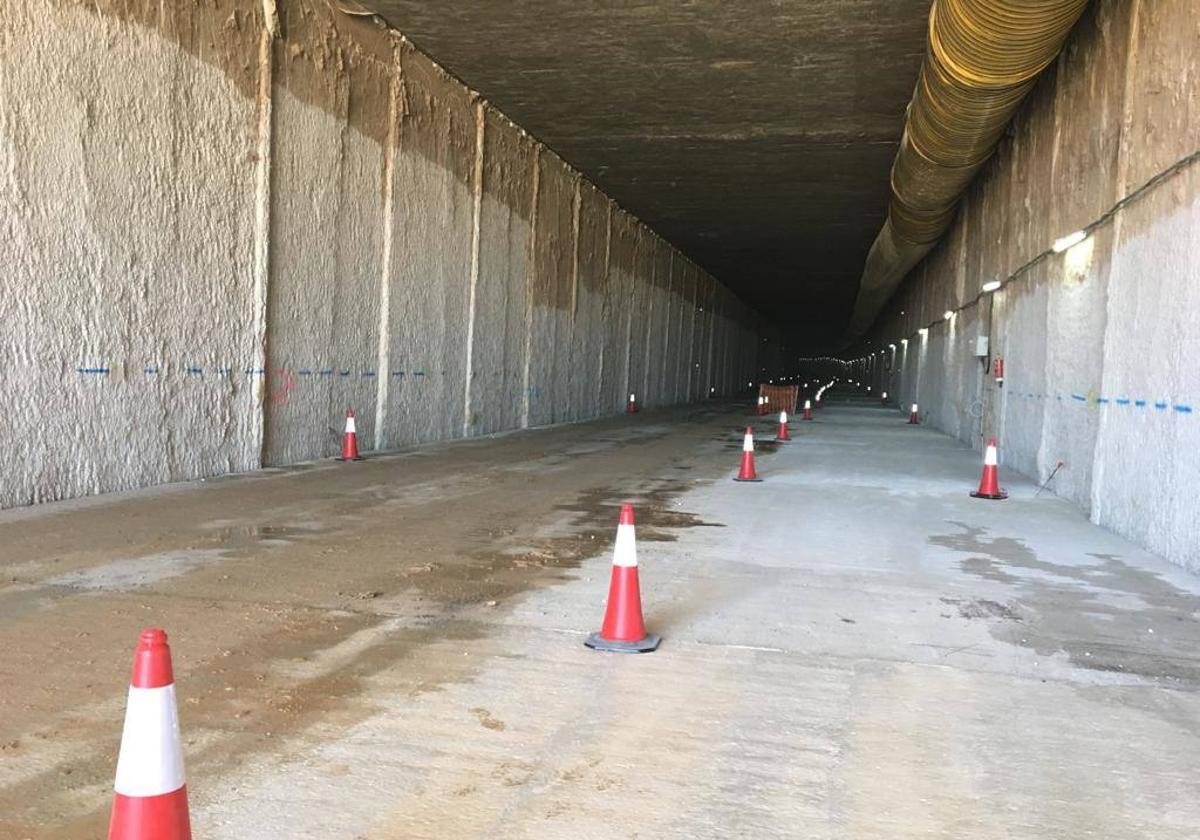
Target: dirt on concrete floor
262,581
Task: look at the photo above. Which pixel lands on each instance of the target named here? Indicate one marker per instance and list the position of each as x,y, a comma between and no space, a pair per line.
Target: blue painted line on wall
93,371
344,373
1184,409
368,373
151,371
1102,400
326,373
305,372
1122,400
1140,403
418,373
1079,397
1161,406
194,371
397,373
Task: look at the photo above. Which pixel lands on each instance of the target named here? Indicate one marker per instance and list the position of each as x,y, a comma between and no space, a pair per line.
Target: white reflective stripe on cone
625,551
351,429
151,759
748,443
783,417
633,397
914,408
989,457
808,403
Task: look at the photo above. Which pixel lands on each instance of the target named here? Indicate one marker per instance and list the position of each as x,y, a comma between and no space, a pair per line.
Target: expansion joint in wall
473,283
262,234
383,360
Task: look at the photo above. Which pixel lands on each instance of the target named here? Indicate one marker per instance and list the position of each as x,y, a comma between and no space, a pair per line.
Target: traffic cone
150,799
782,437
989,481
350,440
912,416
807,410
623,630
747,473
632,408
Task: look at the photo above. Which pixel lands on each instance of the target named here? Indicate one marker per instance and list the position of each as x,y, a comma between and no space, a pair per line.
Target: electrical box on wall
981,346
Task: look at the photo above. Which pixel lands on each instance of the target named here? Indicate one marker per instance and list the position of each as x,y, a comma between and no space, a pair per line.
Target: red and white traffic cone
150,800
747,473
783,437
989,481
350,440
913,419
631,407
623,630
807,410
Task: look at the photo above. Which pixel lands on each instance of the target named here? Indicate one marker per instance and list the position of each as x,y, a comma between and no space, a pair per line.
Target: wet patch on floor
1100,612
983,608
137,572
656,511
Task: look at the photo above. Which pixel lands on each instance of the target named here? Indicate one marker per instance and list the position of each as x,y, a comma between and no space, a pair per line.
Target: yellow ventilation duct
982,58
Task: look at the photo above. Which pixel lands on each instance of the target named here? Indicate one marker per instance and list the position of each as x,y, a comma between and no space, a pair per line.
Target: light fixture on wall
991,285
1068,241
924,331
948,314
893,346
904,342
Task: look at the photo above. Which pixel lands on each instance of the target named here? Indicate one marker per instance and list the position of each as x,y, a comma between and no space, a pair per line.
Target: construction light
1068,241
904,341
991,286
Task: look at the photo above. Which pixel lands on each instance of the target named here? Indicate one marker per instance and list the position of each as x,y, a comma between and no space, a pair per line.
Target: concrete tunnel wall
226,224
1100,342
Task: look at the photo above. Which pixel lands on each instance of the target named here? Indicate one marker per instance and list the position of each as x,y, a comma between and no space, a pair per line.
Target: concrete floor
853,648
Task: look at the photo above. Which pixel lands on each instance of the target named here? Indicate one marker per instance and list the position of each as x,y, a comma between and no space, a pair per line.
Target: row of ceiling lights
1066,243
1063,243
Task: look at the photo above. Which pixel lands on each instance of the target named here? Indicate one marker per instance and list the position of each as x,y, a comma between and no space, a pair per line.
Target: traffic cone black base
597,642
975,494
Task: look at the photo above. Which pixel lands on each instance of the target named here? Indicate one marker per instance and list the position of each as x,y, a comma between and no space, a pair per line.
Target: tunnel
606,419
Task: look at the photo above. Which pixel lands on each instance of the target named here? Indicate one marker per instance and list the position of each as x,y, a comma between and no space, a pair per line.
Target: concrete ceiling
755,135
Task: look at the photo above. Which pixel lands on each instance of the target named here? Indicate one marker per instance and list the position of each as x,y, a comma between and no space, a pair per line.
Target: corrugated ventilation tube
983,57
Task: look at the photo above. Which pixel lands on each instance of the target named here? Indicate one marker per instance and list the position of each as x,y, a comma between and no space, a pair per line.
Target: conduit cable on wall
982,58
